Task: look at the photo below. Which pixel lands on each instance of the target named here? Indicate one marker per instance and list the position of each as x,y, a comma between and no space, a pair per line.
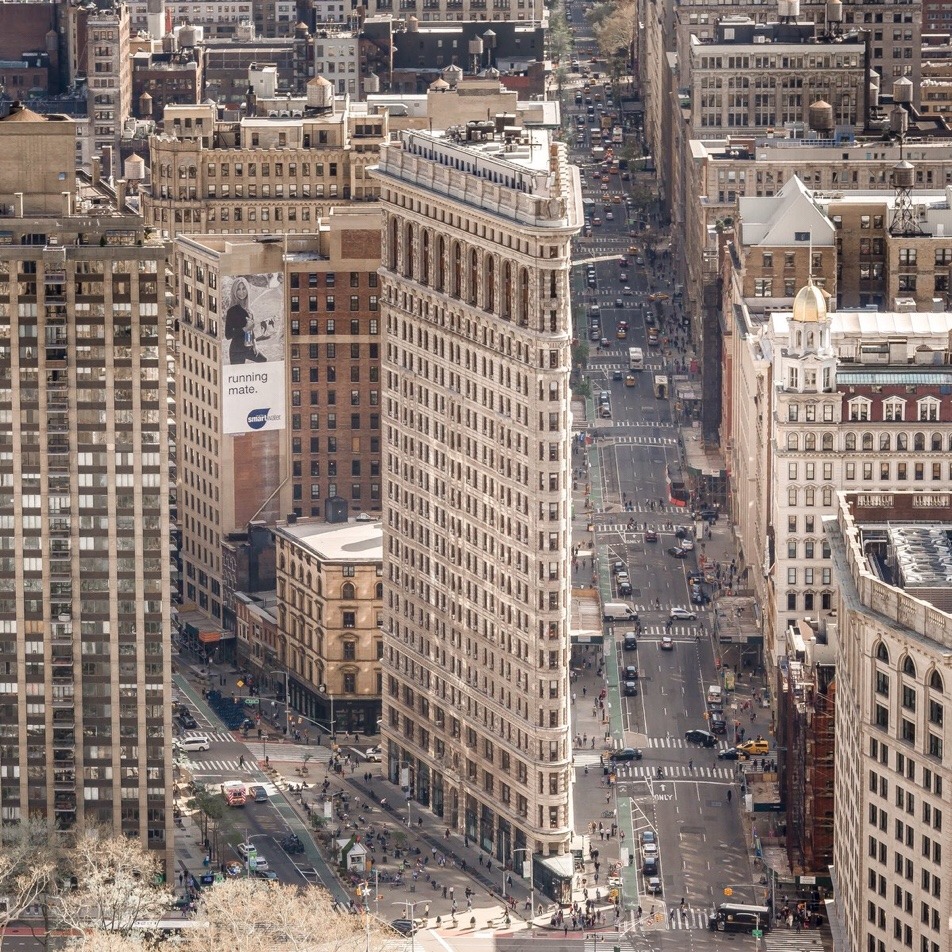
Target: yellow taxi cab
759,746
630,379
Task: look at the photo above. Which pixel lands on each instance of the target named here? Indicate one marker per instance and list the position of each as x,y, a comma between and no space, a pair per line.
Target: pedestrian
730,795
452,891
241,761
444,892
690,765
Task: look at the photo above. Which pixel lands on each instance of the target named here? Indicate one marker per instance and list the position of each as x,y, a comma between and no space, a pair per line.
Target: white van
193,742
618,611
715,694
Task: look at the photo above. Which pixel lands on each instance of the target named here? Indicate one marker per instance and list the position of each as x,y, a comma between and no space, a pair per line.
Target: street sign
252,858
757,933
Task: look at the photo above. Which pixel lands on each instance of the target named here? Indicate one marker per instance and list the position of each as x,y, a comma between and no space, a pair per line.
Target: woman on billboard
239,327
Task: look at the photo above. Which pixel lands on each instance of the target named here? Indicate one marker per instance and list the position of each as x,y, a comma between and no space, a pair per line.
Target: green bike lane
615,730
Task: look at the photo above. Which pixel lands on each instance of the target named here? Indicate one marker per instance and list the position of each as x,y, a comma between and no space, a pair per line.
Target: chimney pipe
120,194
97,170
18,204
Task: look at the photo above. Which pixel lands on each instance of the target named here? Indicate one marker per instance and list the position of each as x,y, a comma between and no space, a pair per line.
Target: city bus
636,358
735,917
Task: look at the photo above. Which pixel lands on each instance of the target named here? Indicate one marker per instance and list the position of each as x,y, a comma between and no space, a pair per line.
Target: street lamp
287,701
409,910
528,862
330,697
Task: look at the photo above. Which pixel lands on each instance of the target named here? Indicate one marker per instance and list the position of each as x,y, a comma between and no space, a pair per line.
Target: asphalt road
700,834
264,824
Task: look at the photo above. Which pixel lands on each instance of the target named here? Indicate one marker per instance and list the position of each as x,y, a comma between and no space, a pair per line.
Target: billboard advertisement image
252,353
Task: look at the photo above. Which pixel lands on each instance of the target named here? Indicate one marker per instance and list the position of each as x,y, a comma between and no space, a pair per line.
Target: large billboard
252,353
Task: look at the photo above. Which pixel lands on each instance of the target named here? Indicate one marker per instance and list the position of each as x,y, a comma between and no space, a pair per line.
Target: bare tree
246,915
614,26
29,862
116,885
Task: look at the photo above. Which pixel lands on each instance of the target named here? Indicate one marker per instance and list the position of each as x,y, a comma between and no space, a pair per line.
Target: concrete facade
85,613
840,402
328,455
109,80
477,429
265,175
330,613
893,677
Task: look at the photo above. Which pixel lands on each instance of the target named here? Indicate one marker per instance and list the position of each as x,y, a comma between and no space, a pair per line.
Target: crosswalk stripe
789,940
696,919
680,742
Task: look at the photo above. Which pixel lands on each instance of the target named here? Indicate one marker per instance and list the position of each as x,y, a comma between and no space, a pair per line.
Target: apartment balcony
64,801
62,673
64,737
64,757
64,715
64,780
60,527
58,447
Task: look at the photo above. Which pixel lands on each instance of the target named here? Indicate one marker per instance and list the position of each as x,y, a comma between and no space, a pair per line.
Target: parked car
630,641
187,720
631,689
373,754
630,673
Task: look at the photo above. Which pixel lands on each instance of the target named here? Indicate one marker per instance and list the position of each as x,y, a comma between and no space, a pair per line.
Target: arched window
885,441
425,257
508,291
867,441
936,442
489,291
524,297
457,269
378,590
408,252
348,591
827,441
902,441
473,276
919,442
441,264
851,441
793,441
908,666
394,242
935,682
881,653
809,441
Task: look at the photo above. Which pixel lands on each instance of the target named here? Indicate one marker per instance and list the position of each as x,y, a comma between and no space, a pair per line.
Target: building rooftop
338,542
897,549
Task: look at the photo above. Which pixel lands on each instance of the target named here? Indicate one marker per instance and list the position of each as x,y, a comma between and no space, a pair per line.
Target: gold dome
809,306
